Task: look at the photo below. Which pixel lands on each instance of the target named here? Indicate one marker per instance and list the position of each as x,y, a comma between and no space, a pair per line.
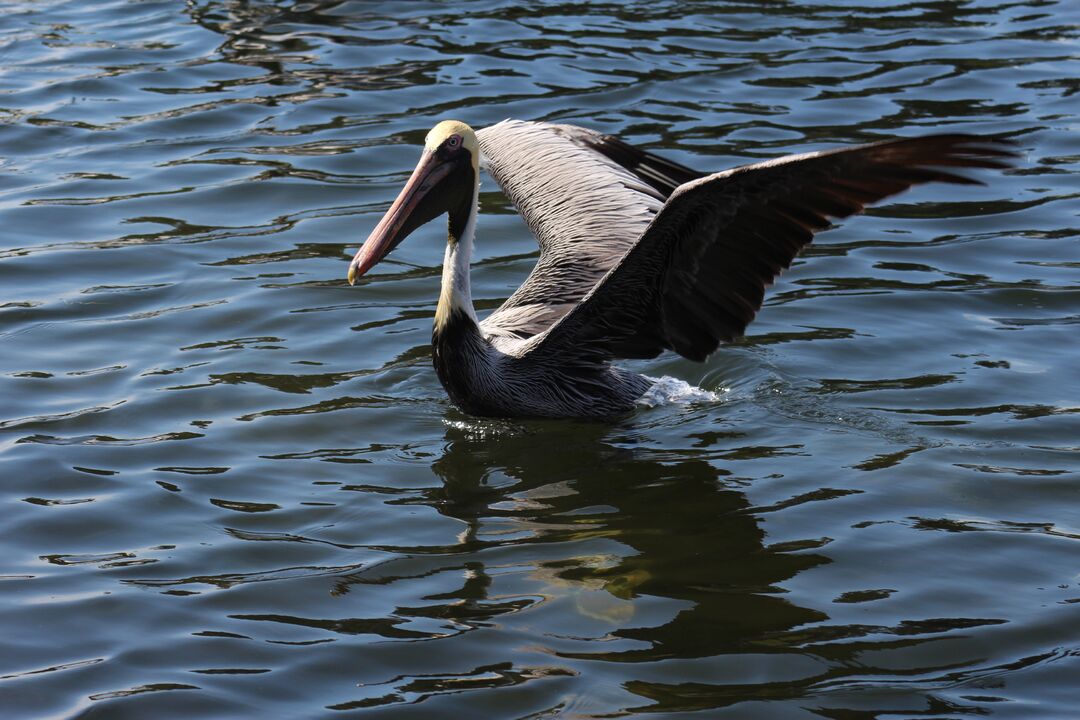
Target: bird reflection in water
672,530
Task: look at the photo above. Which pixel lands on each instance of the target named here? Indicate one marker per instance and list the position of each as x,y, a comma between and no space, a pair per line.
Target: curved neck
456,296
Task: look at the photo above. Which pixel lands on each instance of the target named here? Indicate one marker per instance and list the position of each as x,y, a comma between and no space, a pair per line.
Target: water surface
233,487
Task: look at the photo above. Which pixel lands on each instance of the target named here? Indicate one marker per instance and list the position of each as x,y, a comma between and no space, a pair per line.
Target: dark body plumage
639,254
483,381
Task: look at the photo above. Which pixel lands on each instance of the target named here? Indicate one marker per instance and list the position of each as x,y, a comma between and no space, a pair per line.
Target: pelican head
444,181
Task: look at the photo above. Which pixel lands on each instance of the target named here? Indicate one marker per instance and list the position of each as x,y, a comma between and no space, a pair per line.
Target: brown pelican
637,254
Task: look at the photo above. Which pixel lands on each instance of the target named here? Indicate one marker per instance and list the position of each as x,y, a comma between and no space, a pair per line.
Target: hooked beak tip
360,264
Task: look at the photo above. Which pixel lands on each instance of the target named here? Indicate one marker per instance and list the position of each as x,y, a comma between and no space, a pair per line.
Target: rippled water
232,486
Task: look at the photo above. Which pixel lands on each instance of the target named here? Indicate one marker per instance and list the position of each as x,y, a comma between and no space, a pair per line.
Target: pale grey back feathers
585,210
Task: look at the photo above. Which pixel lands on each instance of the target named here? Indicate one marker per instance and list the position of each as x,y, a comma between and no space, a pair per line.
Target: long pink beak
387,234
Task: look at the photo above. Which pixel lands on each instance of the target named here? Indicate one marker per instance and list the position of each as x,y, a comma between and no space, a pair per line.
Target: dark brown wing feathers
698,274
662,174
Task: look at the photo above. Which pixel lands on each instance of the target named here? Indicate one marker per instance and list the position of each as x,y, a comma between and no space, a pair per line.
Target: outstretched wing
587,197
697,276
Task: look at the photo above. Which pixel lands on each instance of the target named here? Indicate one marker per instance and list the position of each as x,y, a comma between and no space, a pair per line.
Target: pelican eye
453,141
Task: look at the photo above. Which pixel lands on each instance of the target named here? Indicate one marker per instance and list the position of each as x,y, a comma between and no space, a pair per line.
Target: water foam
668,390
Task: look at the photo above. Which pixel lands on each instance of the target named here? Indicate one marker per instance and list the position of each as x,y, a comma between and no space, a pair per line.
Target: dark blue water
231,485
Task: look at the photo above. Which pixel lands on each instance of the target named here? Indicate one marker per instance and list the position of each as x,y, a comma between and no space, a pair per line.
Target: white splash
667,390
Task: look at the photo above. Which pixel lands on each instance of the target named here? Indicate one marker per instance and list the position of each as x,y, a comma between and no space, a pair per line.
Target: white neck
456,293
